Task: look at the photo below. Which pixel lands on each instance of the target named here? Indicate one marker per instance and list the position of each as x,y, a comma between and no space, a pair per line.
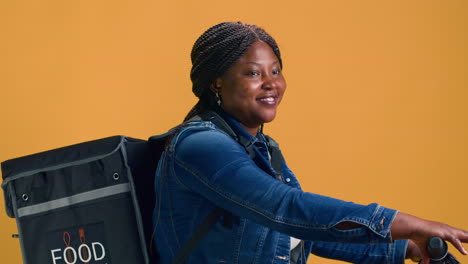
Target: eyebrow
259,64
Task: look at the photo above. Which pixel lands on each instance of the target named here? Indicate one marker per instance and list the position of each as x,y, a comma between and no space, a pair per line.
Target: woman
267,218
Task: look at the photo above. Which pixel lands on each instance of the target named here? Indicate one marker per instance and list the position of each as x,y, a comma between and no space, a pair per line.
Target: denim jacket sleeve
209,162
362,253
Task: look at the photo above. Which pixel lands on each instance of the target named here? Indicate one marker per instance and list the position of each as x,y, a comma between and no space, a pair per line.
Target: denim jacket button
378,227
288,179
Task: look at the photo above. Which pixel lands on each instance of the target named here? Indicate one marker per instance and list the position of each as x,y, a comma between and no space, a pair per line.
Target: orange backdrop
375,109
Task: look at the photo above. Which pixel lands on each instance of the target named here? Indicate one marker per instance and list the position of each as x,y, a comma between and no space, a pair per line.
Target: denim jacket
204,168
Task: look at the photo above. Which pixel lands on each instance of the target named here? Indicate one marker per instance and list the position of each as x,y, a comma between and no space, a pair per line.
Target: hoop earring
218,99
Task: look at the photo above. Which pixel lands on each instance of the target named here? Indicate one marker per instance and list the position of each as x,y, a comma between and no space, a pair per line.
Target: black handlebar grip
438,252
437,248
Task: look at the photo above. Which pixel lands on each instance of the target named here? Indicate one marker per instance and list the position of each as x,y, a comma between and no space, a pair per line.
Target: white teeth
268,99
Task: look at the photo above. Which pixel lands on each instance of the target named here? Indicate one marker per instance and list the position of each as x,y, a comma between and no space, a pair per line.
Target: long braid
217,49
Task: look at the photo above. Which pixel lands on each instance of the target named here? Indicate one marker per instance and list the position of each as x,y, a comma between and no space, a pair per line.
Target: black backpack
93,202
83,203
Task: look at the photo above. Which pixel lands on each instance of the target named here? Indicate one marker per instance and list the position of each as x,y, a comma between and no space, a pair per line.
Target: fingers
425,260
422,255
464,236
458,245
457,238
413,252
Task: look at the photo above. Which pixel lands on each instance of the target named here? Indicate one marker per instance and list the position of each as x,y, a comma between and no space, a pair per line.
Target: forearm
405,226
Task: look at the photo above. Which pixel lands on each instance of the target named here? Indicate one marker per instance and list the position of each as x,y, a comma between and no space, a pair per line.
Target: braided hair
214,52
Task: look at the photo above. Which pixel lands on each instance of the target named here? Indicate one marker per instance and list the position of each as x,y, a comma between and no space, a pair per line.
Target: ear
216,86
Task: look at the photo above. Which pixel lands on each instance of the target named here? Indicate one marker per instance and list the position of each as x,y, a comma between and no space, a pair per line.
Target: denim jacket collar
238,129
262,157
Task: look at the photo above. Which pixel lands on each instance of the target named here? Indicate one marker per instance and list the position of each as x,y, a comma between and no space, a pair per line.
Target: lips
268,100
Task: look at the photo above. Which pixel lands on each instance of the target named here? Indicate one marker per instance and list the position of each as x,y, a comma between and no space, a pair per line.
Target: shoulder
202,138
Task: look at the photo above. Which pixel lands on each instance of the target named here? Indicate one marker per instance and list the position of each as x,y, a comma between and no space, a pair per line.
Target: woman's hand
413,252
419,231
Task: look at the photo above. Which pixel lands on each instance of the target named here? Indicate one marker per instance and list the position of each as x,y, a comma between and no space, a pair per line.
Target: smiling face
253,87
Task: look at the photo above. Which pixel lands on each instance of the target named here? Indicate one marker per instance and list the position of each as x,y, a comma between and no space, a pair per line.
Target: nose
269,82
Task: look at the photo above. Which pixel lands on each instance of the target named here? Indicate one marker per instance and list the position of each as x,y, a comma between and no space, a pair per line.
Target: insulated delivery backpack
93,202
87,203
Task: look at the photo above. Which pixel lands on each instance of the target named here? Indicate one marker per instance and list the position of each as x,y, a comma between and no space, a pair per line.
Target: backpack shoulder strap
277,159
224,126
196,237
